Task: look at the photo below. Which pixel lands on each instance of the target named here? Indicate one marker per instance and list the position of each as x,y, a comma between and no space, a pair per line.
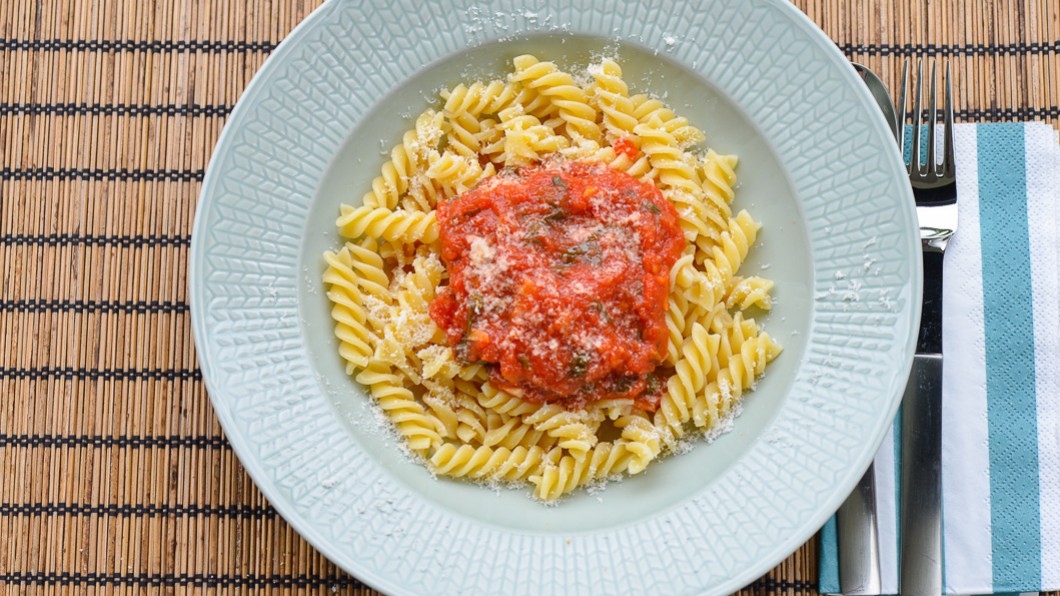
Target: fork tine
916,162
947,129
901,106
932,162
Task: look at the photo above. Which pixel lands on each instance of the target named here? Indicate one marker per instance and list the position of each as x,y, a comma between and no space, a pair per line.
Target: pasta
453,414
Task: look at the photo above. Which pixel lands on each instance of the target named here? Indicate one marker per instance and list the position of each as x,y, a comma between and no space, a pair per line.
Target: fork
935,190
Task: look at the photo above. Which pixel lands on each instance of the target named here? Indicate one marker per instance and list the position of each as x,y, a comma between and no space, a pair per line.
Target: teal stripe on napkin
1011,400
828,582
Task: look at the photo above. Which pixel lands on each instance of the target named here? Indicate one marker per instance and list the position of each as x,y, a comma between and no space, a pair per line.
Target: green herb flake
533,232
624,384
559,182
652,207
570,256
556,215
523,360
589,250
579,364
474,311
599,307
654,384
467,215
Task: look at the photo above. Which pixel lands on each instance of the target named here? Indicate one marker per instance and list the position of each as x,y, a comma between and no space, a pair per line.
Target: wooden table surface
114,473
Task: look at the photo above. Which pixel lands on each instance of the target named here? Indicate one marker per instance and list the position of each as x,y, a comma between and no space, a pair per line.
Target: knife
859,554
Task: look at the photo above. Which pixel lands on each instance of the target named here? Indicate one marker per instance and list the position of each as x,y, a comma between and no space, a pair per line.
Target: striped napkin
1001,380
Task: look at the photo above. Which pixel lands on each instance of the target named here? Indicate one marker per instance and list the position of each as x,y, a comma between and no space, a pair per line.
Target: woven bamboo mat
114,473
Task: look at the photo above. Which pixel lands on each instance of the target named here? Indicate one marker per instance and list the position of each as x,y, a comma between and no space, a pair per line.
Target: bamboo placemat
114,474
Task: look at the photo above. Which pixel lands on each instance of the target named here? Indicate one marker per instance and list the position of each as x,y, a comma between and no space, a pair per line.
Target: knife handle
859,560
921,512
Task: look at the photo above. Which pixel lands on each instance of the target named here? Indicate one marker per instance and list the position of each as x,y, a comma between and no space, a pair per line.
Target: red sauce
560,276
624,146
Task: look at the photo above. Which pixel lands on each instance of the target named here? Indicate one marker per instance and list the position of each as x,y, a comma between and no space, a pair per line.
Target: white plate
817,167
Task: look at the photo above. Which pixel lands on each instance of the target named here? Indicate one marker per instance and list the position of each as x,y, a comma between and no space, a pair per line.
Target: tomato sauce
559,274
624,146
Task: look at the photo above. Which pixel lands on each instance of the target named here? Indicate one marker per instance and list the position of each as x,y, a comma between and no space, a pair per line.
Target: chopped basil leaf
654,384
599,306
474,310
589,250
471,213
624,384
533,232
579,364
652,207
523,360
571,254
557,214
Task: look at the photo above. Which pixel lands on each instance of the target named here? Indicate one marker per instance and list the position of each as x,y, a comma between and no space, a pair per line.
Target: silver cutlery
935,189
859,553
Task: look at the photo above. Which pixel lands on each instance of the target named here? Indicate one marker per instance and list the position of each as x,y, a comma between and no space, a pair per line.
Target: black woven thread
170,579
96,374
213,46
115,45
122,175
944,50
93,240
1000,114
78,509
96,109
125,442
1007,114
769,584
93,306
193,111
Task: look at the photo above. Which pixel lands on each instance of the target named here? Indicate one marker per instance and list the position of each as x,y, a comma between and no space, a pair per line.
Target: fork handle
921,510
929,339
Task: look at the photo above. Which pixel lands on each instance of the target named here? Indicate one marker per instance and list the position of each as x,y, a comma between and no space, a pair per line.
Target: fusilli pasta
381,282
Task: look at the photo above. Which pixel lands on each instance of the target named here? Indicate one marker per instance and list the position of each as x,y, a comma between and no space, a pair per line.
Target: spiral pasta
399,404
610,95
570,100
406,161
456,173
382,223
465,461
526,138
575,431
381,281
559,476
478,98
698,360
356,340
